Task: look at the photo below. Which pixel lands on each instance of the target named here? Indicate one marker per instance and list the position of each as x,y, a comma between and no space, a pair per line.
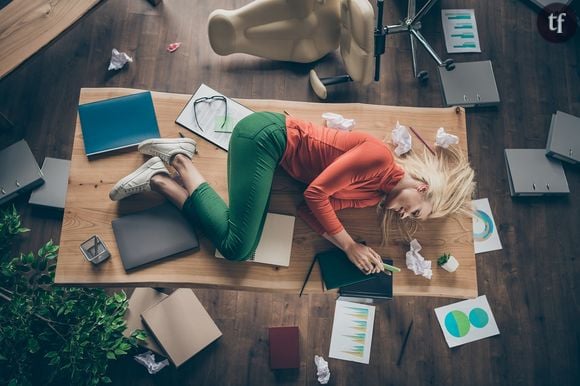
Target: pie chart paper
466,321
485,236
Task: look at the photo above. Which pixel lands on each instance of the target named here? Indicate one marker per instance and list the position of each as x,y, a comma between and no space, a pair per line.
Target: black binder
19,171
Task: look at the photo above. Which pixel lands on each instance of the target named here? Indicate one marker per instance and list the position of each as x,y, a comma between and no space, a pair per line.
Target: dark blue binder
118,123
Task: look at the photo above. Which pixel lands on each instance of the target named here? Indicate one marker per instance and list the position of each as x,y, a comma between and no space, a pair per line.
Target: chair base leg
319,84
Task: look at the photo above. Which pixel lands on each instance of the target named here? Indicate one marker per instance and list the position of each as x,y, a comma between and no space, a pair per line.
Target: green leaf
3,358
111,355
141,335
125,346
106,380
120,297
120,352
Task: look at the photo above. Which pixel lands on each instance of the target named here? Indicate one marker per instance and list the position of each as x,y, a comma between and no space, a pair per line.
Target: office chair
304,31
357,17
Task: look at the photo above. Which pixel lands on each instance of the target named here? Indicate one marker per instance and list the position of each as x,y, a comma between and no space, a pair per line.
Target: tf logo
557,23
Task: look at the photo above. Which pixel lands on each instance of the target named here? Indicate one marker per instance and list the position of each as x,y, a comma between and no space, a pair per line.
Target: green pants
256,148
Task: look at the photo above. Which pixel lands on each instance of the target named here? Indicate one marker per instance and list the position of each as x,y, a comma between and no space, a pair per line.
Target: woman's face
411,202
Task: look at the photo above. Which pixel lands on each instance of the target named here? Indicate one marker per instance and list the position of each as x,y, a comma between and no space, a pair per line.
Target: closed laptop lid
153,234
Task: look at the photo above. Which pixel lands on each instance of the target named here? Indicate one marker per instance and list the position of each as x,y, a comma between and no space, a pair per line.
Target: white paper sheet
460,30
466,321
352,332
485,236
211,116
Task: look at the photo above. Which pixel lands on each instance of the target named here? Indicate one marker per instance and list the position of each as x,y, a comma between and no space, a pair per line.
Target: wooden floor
531,284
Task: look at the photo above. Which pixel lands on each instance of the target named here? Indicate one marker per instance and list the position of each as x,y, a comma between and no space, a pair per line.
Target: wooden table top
89,210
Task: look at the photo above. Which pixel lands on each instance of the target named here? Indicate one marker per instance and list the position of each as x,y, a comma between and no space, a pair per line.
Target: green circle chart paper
457,323
478,317
483,226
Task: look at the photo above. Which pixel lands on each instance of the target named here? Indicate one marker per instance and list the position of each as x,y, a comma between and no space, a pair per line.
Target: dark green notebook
337,270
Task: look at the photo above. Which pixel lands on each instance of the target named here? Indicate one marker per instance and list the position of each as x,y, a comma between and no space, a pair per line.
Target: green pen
391,268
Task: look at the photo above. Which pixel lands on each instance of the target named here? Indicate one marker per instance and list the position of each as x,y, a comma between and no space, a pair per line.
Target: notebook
152,235
117,123
181,325
275,246
211,115
284,347
52,193
379,286
22,173
141,300
337,270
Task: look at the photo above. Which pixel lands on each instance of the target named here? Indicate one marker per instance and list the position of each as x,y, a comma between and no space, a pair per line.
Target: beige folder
141,300
181,325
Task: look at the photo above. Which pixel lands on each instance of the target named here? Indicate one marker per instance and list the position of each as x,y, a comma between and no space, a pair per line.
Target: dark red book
284,348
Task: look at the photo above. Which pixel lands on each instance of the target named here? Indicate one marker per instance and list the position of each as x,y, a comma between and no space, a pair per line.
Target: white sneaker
139,180
167,148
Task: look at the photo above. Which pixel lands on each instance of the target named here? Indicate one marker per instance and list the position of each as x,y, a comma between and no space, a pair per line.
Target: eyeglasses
210,100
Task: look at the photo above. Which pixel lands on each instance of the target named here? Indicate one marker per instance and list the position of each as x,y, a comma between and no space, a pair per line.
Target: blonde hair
451,185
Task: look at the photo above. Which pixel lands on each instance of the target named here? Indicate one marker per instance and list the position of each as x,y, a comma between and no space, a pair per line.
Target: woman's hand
364,258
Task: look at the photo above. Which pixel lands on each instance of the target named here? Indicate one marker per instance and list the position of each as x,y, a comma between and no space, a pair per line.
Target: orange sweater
342,170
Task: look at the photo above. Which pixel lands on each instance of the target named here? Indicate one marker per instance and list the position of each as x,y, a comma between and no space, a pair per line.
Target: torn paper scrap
322,370
147,359
337,121
444,139
173,46
416,262
401,138
118,60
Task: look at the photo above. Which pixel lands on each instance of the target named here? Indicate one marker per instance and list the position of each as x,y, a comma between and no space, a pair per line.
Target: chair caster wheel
423,76
449,66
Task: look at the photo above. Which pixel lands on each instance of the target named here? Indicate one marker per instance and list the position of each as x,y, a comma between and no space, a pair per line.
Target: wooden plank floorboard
532,284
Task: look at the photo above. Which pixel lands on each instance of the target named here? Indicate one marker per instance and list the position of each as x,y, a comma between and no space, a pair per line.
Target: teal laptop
117,123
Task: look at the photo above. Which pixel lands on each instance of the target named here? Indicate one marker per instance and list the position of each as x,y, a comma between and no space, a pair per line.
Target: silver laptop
275,245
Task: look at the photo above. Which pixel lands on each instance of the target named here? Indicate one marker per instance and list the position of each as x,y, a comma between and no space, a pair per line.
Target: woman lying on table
342,170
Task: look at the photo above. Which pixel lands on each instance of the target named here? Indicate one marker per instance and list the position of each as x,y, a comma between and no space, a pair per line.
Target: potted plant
54,335
448,262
